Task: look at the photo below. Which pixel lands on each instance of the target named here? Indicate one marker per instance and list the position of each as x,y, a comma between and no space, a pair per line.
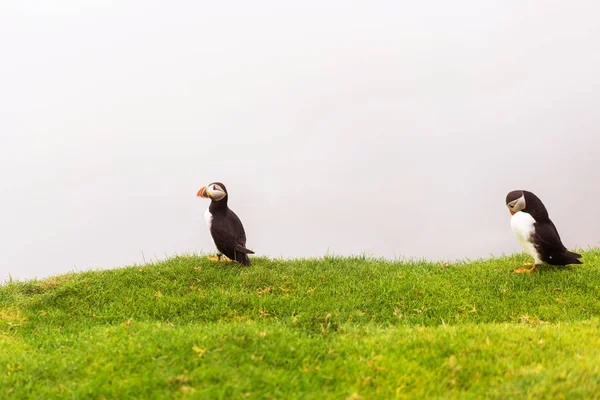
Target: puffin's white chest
522,226
208,219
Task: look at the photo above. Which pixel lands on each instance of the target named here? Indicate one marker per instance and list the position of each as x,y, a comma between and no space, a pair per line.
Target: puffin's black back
535,207
227,230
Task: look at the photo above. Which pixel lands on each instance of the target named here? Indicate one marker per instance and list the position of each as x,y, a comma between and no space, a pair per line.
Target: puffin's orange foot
219,258
524,270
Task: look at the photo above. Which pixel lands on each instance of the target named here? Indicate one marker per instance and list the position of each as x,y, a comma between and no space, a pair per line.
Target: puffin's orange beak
202,192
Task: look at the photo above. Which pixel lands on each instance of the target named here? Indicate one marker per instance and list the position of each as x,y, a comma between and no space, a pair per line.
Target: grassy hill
324,328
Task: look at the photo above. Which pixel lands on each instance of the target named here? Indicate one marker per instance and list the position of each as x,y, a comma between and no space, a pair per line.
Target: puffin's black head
515,201
522,200
215,191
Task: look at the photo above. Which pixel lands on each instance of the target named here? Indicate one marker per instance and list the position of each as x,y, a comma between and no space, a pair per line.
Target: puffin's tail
241,249
575,257
241,255
567,258
575,254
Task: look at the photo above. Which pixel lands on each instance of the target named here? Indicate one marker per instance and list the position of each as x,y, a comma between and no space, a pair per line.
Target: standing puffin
535,231
224,225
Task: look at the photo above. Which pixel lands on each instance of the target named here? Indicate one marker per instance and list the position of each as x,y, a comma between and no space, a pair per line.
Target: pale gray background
394,129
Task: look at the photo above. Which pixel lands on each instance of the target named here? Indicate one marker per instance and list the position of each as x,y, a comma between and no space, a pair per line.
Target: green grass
324,328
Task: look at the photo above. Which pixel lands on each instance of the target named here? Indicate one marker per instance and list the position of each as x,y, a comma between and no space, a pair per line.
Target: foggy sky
393,129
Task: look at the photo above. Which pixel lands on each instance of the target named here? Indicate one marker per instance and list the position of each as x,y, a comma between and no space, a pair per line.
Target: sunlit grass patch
309,328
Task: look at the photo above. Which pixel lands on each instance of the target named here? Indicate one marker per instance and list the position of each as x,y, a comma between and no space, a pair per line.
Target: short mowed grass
303,329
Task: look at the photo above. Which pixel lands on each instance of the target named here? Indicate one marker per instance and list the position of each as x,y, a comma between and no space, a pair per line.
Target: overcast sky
389,128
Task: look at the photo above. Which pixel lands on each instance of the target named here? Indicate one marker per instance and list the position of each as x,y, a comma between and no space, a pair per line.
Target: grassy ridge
332,327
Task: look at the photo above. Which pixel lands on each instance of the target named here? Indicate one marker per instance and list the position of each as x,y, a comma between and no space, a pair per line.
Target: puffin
536,232
226,229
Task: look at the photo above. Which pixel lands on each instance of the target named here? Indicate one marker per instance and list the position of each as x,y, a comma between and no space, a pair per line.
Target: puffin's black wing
547,242
230,237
